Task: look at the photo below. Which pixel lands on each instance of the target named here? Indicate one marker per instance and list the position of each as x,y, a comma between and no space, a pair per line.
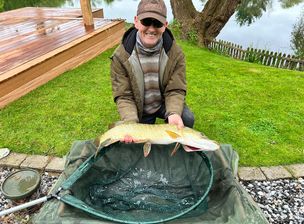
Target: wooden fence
263,57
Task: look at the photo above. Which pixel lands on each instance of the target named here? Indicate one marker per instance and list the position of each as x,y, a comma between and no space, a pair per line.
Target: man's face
149,34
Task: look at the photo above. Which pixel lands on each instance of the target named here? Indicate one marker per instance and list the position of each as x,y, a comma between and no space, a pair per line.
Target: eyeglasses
150,21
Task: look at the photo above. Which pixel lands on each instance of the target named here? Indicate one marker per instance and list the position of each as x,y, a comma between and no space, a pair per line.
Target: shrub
297,40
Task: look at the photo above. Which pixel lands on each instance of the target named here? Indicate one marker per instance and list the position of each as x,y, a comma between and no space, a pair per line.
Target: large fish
190,139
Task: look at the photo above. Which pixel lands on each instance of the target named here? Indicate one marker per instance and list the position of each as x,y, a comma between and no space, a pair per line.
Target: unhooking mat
227,201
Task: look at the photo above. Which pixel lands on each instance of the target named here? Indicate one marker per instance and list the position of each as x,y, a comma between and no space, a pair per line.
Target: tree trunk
206,24
184,13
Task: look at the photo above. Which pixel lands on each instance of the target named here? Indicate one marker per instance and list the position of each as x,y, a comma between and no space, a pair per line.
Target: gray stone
297,170
251,173
276,172
13,160
35,162
55,165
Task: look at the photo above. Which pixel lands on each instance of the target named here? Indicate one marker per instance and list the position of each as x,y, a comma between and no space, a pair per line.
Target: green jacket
128,82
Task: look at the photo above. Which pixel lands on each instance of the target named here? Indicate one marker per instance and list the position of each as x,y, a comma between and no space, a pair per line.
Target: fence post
270,58
293,63
287,61
219,46
231,45
279,60
247,54
254,51
231,49
266,57
239,51
263,58
274,59
226,48
258,56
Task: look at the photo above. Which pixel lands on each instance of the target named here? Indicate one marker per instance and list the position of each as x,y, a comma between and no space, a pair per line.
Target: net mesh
128,187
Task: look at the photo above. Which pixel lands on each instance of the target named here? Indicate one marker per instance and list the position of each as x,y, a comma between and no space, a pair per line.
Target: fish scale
189,138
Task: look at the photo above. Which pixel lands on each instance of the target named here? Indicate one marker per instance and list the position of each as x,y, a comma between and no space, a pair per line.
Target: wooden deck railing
263,57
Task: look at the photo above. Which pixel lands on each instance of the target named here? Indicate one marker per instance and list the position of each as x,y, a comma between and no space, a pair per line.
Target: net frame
85,166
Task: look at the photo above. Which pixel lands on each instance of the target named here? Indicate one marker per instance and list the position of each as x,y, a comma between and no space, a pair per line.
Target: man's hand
177,120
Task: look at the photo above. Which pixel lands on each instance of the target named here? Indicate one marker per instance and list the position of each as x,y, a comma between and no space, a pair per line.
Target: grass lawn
257,109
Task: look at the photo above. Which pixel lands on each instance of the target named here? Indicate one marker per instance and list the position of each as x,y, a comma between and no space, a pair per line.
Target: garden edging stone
56,165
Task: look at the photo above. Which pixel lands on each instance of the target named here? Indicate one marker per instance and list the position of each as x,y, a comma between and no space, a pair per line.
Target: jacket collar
129,40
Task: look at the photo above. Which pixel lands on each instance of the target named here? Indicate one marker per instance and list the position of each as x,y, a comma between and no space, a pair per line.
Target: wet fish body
190,139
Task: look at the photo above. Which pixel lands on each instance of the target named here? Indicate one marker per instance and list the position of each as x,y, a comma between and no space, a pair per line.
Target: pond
272,31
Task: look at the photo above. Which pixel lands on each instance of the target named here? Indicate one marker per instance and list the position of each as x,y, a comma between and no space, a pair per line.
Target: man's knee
188,117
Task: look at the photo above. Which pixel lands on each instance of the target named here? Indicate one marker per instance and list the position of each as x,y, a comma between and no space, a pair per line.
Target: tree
206,24
297,39
250,10
289,3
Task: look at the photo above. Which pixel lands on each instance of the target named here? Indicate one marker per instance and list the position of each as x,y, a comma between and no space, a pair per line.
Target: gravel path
282,201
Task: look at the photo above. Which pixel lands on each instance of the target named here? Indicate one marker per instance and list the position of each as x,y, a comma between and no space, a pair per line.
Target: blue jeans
187,116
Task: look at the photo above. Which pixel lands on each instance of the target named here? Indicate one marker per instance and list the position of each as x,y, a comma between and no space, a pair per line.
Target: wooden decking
38,44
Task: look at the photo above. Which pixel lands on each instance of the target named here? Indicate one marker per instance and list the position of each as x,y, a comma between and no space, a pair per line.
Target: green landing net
121,185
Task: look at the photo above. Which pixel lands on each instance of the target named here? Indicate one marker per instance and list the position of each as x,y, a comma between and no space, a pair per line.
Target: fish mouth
211,146
189,148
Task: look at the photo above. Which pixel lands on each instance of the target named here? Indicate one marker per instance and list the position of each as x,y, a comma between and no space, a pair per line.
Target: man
148,70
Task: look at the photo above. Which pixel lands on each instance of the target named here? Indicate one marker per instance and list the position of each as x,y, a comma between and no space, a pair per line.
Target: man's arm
175,91
122,91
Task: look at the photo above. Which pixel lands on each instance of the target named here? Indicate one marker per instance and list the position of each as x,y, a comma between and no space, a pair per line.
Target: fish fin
175,148
211,146
173,134
97,142
110,126
193,149
147,149
103,144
